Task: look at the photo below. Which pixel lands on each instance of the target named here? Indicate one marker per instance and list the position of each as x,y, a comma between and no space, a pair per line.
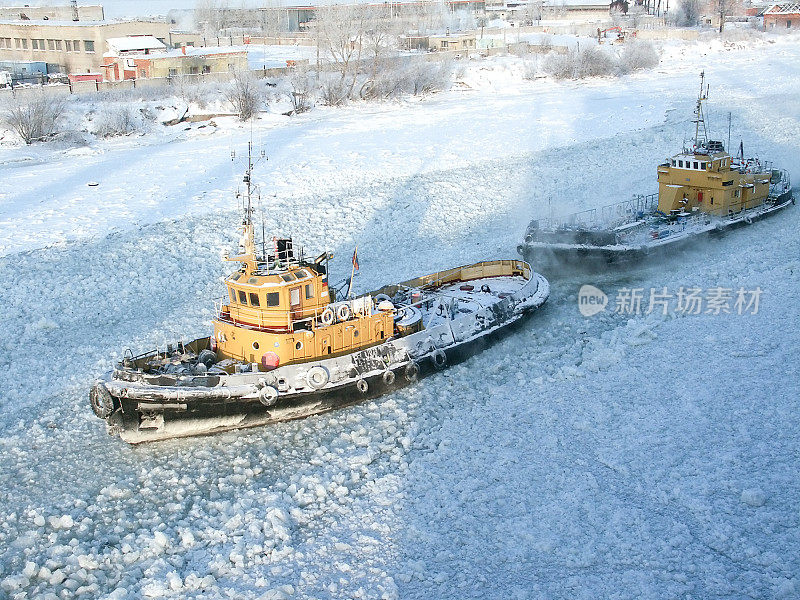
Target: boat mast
700,132
248,206
248,250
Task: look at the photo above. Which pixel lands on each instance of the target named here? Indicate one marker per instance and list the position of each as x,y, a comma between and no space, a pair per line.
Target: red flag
355,259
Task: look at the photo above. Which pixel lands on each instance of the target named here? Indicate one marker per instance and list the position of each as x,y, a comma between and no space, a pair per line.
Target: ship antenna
263,235
728,147
699,120
248,177
247,202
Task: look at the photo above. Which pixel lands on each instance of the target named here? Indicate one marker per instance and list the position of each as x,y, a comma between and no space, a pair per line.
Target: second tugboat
702,189
283,347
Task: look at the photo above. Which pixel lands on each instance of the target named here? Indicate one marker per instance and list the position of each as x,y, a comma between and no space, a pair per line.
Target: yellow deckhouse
706,178
280,309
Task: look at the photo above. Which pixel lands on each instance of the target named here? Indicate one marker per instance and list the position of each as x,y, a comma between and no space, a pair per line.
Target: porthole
299,345
255,345
355,333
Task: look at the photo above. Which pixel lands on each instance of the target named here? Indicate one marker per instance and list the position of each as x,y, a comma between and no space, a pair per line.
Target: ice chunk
754,497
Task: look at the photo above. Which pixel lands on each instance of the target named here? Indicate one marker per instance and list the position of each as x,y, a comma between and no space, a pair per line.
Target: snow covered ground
614,456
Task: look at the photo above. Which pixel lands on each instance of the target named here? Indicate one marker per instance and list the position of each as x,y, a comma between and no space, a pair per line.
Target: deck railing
604,217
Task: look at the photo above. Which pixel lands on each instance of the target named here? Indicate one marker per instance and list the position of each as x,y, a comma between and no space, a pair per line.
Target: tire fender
101,400
318,377
411,372
268,395
439,358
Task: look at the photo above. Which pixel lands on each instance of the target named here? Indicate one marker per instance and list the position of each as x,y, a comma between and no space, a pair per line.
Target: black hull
594,257
207,416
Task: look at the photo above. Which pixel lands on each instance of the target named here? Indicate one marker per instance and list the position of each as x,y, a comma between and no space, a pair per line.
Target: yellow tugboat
283,347
701,189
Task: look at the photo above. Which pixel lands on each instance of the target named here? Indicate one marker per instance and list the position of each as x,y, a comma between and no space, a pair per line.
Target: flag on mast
353,274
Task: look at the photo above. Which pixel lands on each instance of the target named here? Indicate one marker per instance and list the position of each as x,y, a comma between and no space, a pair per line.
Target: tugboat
284,346
701,190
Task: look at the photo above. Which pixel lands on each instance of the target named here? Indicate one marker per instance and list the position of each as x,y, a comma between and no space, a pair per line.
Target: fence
89,87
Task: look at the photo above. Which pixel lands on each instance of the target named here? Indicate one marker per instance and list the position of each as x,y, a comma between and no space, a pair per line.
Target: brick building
69,46
173,63
782,17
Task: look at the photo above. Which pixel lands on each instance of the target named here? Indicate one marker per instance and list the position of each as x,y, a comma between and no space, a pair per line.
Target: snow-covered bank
643,457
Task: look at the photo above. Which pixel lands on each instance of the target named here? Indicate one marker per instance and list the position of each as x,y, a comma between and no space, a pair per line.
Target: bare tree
380,41
423,17
688,13
532,13
34,117
245,95
341,29
429,77
638,55
725,8
211,16
301,88
272,19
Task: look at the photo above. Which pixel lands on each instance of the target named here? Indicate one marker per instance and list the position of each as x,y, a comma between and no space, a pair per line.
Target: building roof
787,8
190,52
132,43
205,51
54,23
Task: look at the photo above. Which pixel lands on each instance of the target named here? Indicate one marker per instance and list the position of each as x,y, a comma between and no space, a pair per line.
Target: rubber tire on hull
411,372
268,395
318,377
101,400
207,357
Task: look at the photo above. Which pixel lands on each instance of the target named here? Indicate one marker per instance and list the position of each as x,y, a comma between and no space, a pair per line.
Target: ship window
703,166
355,333
301,274
253,299
696,165
736,193
287,277
680,163
309,291
726,183
255,345
299,346
233,295
273,299
242,297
